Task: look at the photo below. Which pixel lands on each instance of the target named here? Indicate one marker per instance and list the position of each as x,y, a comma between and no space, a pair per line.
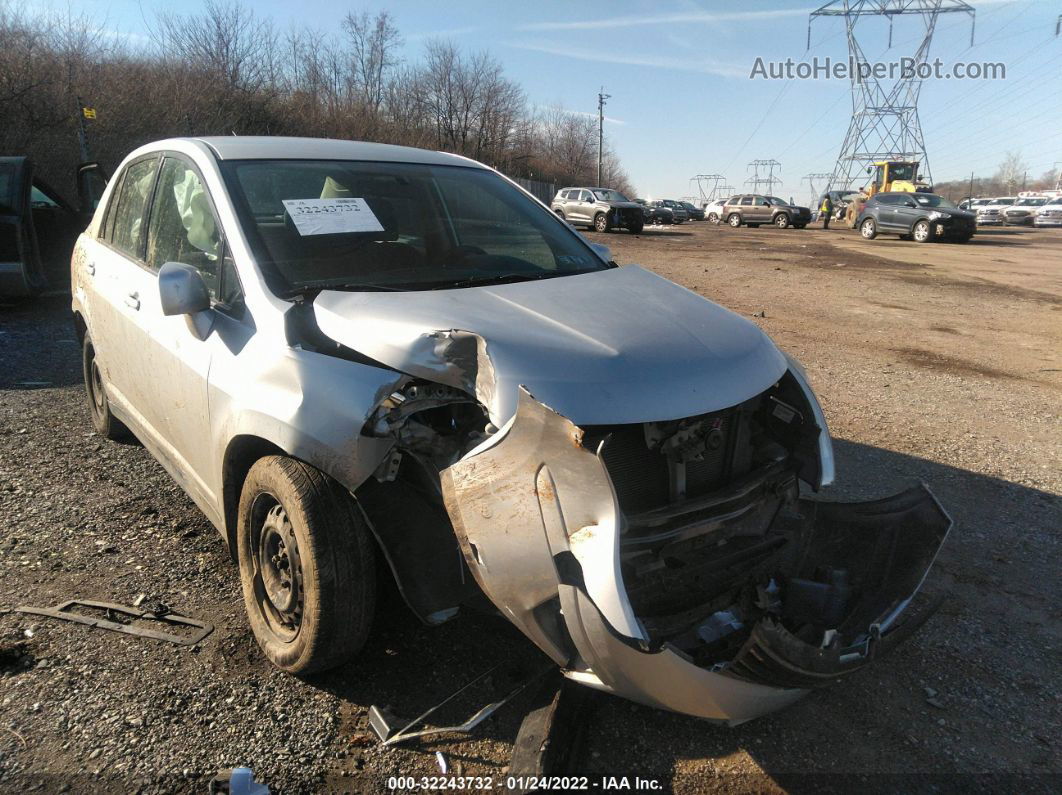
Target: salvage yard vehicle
342,350
601,209
655,214
922,217
994,212
753,210
1050,214
37,226
678,211
695,213
1023,211
713,210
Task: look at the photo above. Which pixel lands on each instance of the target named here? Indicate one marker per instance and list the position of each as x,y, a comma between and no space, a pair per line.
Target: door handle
133,300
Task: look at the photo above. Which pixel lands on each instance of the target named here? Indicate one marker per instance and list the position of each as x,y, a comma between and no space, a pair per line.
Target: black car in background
923,217
695,213
656,213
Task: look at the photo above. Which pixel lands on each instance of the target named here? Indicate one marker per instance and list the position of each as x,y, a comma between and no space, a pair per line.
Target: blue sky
678,72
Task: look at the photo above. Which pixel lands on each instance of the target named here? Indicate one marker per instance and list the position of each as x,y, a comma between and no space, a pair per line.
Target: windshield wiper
502,278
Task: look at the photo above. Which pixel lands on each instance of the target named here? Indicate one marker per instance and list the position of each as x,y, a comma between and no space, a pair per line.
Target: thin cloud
441,34
579,113
669,19
699,65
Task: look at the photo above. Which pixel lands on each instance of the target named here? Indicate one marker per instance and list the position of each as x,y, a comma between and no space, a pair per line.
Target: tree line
228,70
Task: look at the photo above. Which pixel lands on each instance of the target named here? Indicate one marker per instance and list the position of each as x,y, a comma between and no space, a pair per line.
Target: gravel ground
934,362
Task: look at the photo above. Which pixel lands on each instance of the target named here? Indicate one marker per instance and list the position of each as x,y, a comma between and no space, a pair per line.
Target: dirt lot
940,362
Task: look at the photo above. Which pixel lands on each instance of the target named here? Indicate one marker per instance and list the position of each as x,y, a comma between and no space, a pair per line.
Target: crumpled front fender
538,521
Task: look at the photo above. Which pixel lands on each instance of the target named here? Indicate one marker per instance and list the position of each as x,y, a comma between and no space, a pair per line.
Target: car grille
641,475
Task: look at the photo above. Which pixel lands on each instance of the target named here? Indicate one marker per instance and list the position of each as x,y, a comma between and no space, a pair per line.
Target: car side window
584,196
130,205
183,227
746,201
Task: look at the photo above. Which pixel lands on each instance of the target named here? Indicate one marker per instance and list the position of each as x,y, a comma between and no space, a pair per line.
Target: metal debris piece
440,758
64,612
553,733
385,725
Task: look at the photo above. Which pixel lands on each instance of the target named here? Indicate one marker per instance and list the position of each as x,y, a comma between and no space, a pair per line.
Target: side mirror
182,291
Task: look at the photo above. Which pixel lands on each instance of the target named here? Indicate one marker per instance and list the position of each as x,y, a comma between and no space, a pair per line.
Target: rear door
109,281
20,263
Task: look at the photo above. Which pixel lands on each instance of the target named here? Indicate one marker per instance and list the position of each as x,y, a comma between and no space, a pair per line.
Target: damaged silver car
344,350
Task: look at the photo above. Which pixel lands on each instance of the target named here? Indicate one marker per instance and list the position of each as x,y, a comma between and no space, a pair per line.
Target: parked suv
923,217
695,213
713,210
350,354
601,209
752,209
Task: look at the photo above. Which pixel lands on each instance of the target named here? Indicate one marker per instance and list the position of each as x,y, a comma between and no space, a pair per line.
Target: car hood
624,205
616,346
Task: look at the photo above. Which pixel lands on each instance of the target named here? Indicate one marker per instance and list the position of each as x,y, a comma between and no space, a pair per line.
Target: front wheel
868,229
636,227
782,221
922,232
601,222
734,220
307,566
713,218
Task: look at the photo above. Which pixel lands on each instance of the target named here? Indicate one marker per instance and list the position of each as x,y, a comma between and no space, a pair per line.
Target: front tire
734,220
105,423
922,232
868,229
307,566
636,227
782,221
601,222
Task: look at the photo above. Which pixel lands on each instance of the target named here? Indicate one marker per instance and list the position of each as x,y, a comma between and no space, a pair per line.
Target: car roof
264,147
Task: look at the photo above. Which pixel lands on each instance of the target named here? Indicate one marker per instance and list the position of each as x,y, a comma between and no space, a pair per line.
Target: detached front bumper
538,521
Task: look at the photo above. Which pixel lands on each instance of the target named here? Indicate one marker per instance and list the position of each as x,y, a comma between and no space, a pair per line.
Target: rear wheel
307,566
105,423
782,221
922,232
734,220
713,218
868,229
601,222
799,226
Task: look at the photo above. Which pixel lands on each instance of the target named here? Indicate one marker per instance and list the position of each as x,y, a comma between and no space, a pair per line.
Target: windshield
395,226
902,171
1031,202
607,195
777,202
932,200
1001,201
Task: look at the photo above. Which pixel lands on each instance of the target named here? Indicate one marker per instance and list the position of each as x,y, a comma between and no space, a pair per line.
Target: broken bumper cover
538,521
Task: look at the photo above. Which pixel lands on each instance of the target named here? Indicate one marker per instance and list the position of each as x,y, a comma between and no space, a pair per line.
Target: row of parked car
604,209
1016,210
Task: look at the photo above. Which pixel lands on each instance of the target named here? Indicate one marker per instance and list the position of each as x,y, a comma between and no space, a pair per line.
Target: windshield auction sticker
331,216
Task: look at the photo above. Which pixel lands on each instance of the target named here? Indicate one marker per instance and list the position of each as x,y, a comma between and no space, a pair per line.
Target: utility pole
82,133
971,185
811,180
601,132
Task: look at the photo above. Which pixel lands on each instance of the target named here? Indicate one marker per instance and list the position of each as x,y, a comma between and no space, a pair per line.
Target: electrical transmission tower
759,180
708,185
811,180
885,123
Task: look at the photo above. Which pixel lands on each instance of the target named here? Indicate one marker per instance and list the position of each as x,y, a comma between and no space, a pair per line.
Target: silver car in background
344,350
